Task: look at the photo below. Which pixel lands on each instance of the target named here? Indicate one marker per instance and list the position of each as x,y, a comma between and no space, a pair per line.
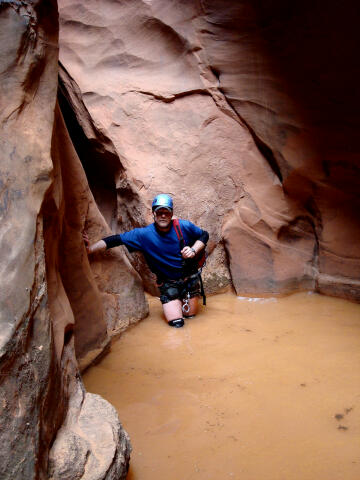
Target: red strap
178,232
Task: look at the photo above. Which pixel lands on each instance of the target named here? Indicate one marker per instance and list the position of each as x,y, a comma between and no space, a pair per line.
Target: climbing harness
198,263
186,305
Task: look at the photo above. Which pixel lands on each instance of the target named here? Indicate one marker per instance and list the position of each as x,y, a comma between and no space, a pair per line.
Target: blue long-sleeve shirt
161,250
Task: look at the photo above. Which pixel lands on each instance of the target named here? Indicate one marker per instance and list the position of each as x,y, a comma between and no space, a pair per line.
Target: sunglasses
163,213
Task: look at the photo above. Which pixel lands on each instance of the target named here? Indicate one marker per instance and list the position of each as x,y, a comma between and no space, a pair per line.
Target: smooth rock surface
288,71
30,378
91,444
246,113
240,111
50,302
106,295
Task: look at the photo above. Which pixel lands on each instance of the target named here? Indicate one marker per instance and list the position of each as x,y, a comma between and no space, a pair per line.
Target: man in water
177,276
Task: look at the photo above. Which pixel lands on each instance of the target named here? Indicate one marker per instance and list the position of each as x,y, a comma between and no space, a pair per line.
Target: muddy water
250,389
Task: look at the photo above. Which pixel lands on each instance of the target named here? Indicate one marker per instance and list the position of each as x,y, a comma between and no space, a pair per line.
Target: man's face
162,218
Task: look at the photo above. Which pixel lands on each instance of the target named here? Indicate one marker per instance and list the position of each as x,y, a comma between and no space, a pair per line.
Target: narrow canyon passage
251,389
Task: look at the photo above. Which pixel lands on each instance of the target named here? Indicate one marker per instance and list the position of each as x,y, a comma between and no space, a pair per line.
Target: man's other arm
190,252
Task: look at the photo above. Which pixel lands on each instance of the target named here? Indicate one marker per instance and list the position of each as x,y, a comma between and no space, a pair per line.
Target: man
177,276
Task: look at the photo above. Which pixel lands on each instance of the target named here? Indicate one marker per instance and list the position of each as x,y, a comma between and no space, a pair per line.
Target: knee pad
173,293
169,294
193,288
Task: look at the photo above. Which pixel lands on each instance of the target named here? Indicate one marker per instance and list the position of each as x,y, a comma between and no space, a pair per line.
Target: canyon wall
58,312
30,380
246,113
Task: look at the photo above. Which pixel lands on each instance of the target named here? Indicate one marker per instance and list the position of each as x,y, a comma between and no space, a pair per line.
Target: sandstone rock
285,72
231,104
247,113
45,275
215,275
92,444
68,456
114,193
30,380
165,127
109,285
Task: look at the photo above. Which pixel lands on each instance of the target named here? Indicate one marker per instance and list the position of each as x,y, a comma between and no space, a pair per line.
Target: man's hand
188,252
95,247
86,241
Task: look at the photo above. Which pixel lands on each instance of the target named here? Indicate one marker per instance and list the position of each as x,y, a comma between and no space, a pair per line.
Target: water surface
251,389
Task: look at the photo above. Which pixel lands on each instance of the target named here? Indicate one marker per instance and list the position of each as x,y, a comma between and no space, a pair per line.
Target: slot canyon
247,114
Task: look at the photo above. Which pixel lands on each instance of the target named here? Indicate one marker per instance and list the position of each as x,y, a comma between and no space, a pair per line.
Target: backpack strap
178,232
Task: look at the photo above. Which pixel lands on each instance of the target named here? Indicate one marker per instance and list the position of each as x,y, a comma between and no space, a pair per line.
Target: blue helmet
162,201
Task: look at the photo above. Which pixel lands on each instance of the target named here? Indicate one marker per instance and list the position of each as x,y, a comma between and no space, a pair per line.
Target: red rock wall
245,112
52,302
288,71
30,377
105,296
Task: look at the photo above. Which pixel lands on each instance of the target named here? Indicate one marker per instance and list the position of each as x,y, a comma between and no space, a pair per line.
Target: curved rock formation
246,113
288,71
91,443
52,301
104,297
234,108
30,376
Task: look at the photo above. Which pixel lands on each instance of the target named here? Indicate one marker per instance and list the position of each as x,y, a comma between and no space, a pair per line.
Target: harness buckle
186,306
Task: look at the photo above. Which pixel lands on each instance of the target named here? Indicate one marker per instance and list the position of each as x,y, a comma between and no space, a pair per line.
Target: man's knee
194,288
169,293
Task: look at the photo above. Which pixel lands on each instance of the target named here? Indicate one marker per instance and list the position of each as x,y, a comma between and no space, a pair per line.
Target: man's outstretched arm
101,245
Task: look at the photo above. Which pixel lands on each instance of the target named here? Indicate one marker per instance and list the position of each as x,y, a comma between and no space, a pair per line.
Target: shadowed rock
237,110
246,113
50,300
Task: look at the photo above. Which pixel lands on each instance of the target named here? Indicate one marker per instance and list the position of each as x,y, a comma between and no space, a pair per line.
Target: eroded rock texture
30,380
106,296
245,112
291,80
91,444
51,302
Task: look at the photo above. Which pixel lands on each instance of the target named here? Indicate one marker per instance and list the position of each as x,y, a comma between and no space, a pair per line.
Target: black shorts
179,289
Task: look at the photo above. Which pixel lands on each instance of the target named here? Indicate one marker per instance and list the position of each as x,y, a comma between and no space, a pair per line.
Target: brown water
265,389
